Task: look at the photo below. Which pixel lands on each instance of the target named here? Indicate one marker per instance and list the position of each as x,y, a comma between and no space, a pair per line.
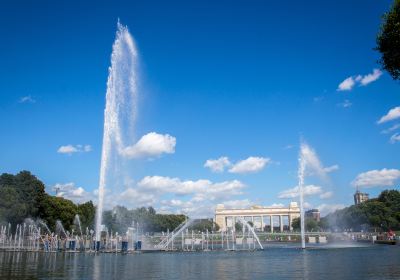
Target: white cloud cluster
329,208
217,165
391,115
326,195
347,84
70,149
351,81
151,145
202,189
331,168
294,192
195,198
72,192
391,129
395,138
377,178
249,165
237,204
309,190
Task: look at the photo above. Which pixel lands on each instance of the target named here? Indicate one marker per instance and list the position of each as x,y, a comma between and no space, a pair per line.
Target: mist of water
119,113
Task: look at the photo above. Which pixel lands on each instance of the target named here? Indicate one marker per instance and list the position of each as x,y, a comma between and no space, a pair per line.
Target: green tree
20,196
87,213
204,225
310,224
388,41
382,213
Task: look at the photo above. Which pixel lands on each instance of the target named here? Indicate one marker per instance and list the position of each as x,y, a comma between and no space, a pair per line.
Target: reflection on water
377,262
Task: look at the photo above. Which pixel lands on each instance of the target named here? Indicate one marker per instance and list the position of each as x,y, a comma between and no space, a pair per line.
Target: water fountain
60,228
308,161
120,110
77,222
301,190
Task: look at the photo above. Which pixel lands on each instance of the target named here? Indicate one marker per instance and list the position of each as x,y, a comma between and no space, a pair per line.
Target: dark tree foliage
120,218
388,41
23,196
382,213
20,196
310,225
205,224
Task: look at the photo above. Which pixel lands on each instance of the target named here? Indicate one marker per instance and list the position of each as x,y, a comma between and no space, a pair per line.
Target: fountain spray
301,173
308,160
120,111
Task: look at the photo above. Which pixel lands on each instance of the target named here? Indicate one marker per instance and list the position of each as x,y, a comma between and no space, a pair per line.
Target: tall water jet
301,174
119,113
308,161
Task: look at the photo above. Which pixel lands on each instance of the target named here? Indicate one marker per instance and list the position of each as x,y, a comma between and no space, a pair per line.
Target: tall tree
388,41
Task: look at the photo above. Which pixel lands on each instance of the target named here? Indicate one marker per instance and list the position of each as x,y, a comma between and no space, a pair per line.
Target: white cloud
351,81
217,165
390,129
329,208
87,148
202,189
332,168
307,205
151,145
27,99
377,178
391,115
347,84
277,205
133,196
395,138
249,165
345,104
369,78
72,192
70,149
326,195
294,192
237,204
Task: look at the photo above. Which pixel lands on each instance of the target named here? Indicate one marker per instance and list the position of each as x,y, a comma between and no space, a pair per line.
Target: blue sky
233,79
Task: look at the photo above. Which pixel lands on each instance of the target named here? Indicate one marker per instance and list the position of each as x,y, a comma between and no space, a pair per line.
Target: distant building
360,197
314,214
268,219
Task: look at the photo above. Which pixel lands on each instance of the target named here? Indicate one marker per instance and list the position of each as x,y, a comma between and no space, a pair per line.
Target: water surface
375,262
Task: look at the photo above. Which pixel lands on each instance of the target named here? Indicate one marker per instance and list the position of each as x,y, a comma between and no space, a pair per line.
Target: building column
271,223
281,223
262,223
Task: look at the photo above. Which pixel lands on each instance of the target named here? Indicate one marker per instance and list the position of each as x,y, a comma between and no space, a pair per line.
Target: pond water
373,262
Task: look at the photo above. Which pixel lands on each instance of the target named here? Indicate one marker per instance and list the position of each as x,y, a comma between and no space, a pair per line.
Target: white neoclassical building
270,219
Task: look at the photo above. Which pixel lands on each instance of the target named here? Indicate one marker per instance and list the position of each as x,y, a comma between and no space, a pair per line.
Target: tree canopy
120,218
23,196
388,41
382,213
